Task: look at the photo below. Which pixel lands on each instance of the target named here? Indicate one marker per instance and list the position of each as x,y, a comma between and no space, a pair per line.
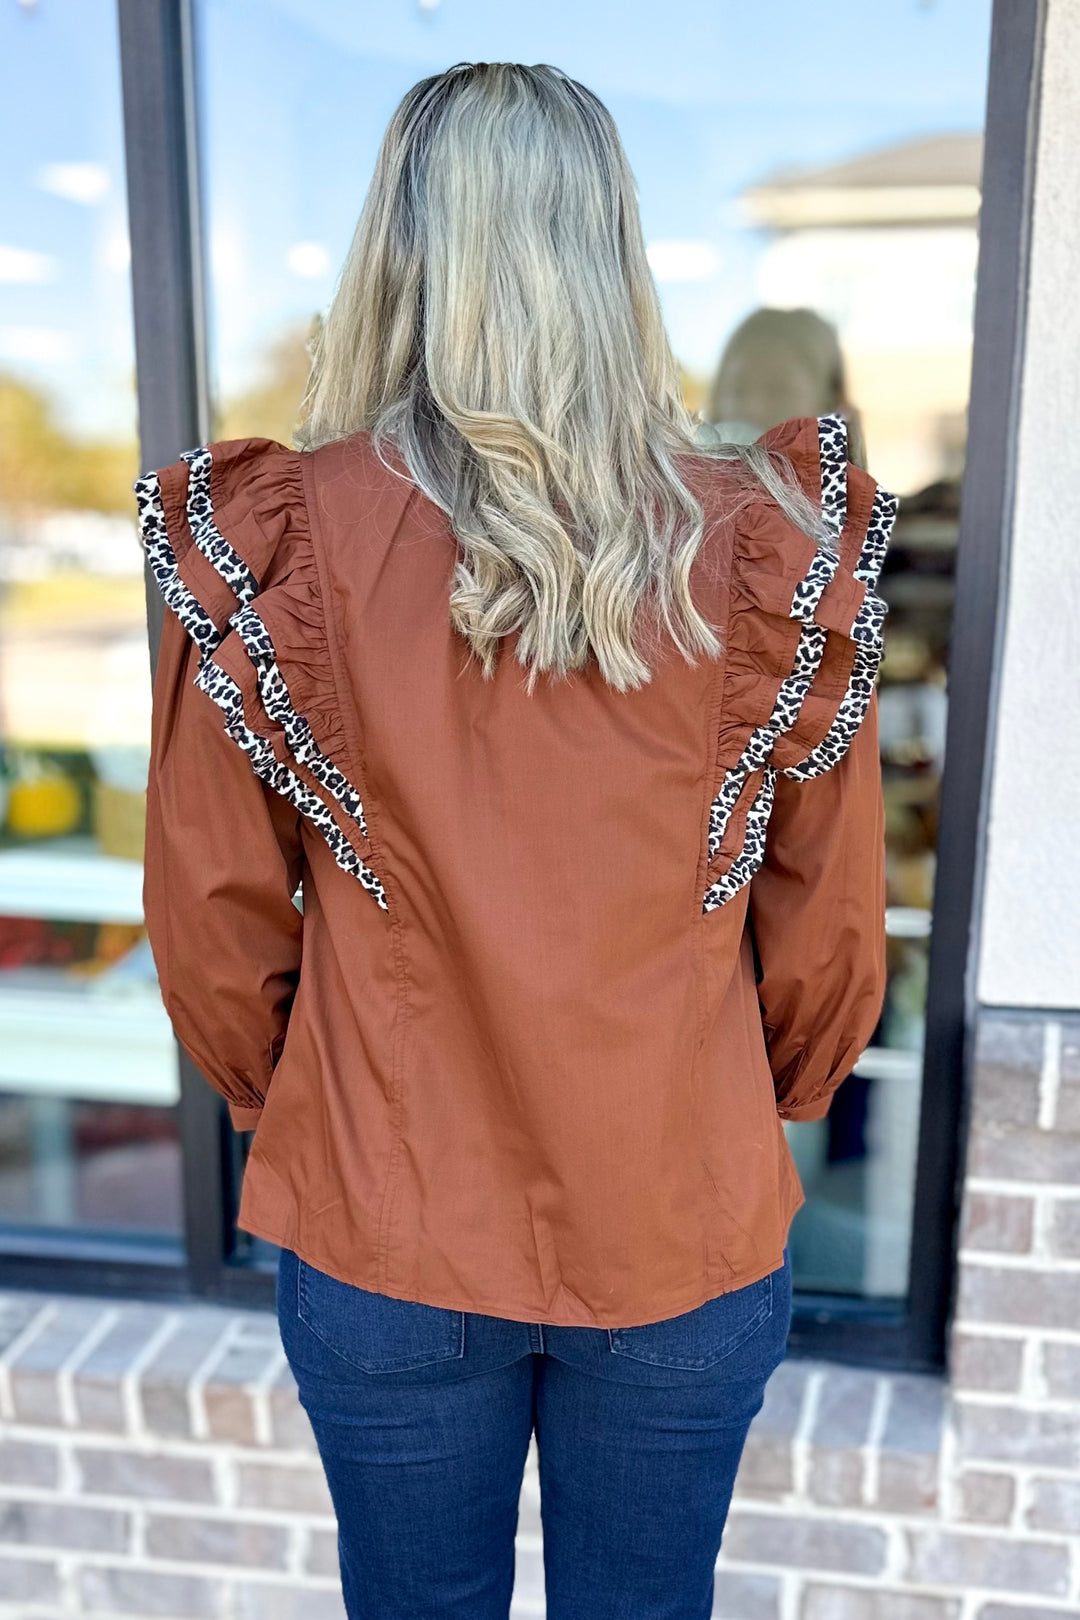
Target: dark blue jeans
423,1418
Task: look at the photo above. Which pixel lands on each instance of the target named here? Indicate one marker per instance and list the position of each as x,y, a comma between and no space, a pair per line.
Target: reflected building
884,246
867,285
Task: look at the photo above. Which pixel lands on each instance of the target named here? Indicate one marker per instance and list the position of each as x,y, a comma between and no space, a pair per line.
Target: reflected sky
65,306
709,95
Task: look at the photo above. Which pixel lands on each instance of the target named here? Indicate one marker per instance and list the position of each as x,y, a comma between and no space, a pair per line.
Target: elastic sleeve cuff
244,1119
800,1112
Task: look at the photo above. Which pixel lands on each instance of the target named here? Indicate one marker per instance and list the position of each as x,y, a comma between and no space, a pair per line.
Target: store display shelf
907,922
889,1063
79,1041
926,533
70,881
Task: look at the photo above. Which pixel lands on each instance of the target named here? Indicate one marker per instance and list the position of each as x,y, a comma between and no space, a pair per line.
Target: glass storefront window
810,197
88,1069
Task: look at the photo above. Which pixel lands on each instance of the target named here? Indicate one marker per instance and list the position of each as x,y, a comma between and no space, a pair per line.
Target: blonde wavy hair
496,325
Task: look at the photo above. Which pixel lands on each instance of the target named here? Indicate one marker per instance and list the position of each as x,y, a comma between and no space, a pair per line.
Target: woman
780,363
566,724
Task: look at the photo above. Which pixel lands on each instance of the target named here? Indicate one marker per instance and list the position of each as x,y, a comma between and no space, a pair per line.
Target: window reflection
883,247
87,1062
813,239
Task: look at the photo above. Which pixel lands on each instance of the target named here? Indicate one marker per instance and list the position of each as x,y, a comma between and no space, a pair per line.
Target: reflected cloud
309,259
226,258
682,260
116,252
46,343
85,183
22,266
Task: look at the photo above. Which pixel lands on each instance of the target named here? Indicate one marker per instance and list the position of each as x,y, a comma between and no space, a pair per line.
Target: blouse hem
515,1312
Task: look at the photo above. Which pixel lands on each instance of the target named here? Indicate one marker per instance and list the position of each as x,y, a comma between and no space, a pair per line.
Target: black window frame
210,1262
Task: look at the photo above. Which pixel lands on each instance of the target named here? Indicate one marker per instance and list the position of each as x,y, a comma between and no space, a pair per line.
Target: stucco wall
1031,922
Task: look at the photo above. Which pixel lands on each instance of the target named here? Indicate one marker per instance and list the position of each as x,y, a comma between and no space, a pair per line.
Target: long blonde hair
496,326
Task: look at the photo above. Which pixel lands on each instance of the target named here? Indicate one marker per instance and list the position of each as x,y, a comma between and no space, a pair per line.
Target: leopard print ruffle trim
752,853
866,632
223,690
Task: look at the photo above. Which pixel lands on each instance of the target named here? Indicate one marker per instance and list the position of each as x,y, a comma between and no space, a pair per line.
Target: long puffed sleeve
247,743
799,815
817,906
223,860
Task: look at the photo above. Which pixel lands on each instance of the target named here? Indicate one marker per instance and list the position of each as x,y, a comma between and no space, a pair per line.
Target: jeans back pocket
701,1337
372,1331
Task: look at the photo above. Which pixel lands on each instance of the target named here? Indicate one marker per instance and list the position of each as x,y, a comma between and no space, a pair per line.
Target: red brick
190,1539
1008,1061
146,1593
228,1394
738,1595
1070,1055
1029,1298
805,1543
995,1222
1024,1153
766,1465
1002,1096
1025,1611
986,1498
28,1580
1064,1234
1061,1369
835,1478
980,1361
108,1472
955,1558
35,1389
288,1420
18,1313
163,1386
784,1396
1054,1504
265,1602
283,1489
1067,1115
907,1484
98,1383
321,1556
913,1420
255,1329
1068,1108
1015,1435
27,1462
844,1407
1009,1039
873,1603
841,1427
765,1468
63,1524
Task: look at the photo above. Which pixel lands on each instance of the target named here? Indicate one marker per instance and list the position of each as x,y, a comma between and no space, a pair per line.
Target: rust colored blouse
566,961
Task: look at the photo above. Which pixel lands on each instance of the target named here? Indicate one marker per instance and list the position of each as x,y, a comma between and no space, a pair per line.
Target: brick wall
154,1462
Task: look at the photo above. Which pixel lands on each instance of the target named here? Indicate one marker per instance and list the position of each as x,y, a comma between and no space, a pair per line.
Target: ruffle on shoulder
226,533
804,642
